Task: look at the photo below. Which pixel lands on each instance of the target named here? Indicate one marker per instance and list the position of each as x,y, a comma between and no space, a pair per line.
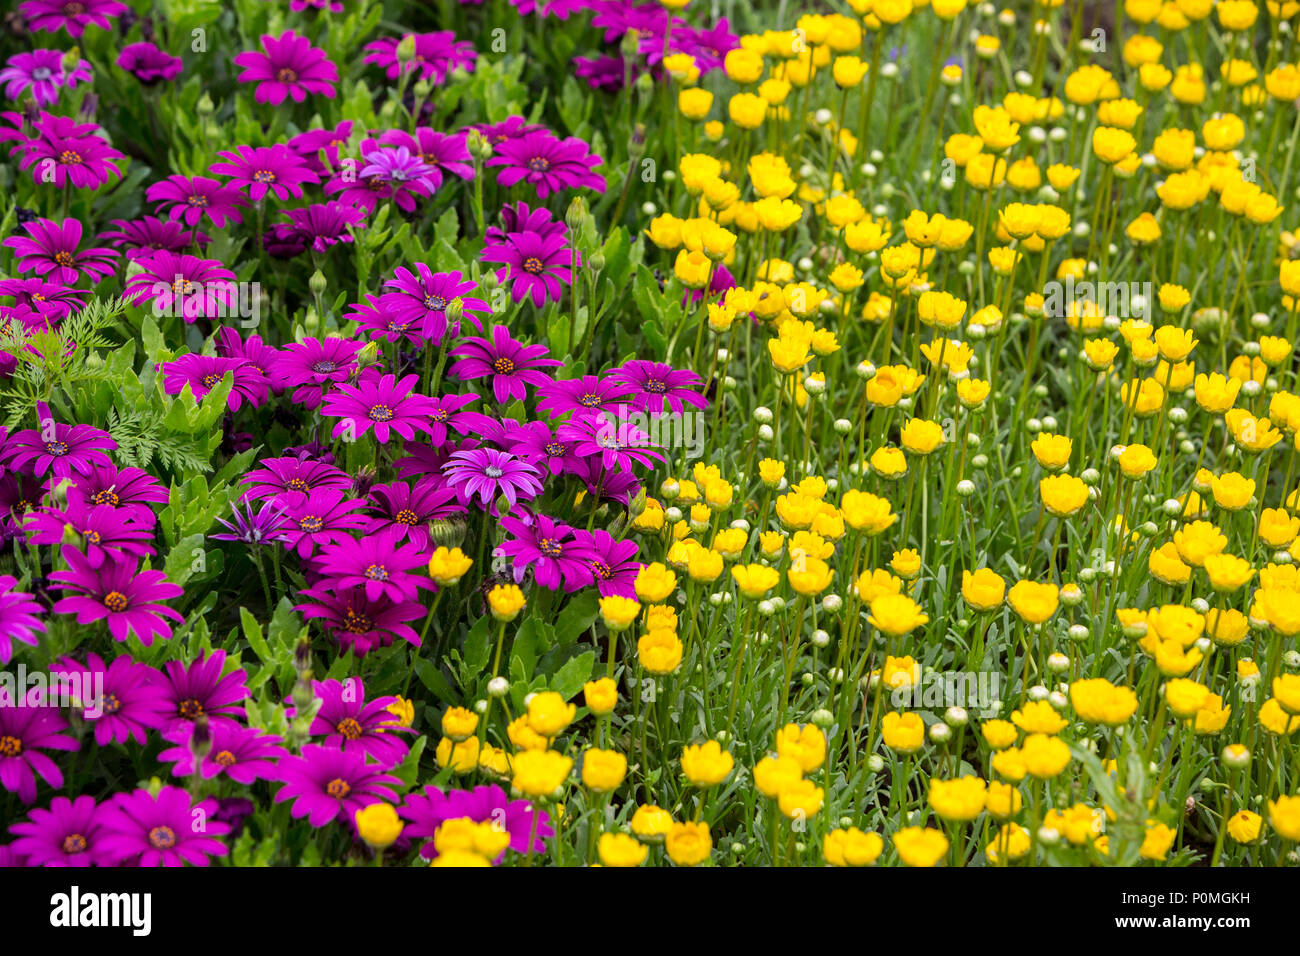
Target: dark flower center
376,572
74,843
354,622
603,570
297,484
210,380
406,516
310,523
10,746
349,728
111,704
200,201
264,176
539,164
534,266
106,497
338,788
325,366
439,415
504,366
555,449
435,302
116,602
92,536
589,400
189,709
182,287
224,758
63,257
550,547
70,157
655,387
287,75
381,413
162,838
56,448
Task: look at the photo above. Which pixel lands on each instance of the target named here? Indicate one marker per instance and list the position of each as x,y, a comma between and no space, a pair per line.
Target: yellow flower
1244,826
921,437
506,601
852,847
1063,495
920,846
747,110
650,824
1167,567
603,770
621,850
1110,145
1199,540
903,732
688,844
1185,697
539,773
982,589
1136,460
1215,393
806,745
1034,602
659,652
448,566
378,824
1039,717
1227,572
1044,756
549,714
600,695
1011,840
1157,841
754,581
618,612
694,102
523,736
866,512
995,127
707,764
958,800
1098,701
896,614
1286,691
654,583
800,800
459,723
461,756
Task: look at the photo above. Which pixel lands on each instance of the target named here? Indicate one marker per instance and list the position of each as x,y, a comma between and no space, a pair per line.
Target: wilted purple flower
43,73
328,785
148,64
50,249
359,624
20,617
253,525
511,365
387,405
262,169
201,690
28,727
486,473
130,599
550,550
288,66
547,163
106,533
189,199
67,834
131,697
352,723
242,754
203,373
143,830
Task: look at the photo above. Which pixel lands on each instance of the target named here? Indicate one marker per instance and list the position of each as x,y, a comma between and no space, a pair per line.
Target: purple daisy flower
424,459
359,624
106,533
377,320
352,723
421,300
535,443
129,490
618,17
709,46
519,217
550,549
448,414
201,690
377,563
320,517
396,173
547,163
512,127
601,73
436,55
148,64
585,395
56,448
143,830
254,525
50,249
143,237
326,784
43,73
262,169
488,473
291,474
309,145
287,67
131,701
387,404
313,365
443,153
511,365
535,265
26,728
69,152
264,358
129,598
612,439
658,384
405,510
325,224
177,283
189,199
67,834
612,562
54,15
20,617
203,373
49,300
242,754
430,808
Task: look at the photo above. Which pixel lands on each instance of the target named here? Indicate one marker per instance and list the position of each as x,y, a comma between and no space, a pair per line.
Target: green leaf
575,672
578,615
